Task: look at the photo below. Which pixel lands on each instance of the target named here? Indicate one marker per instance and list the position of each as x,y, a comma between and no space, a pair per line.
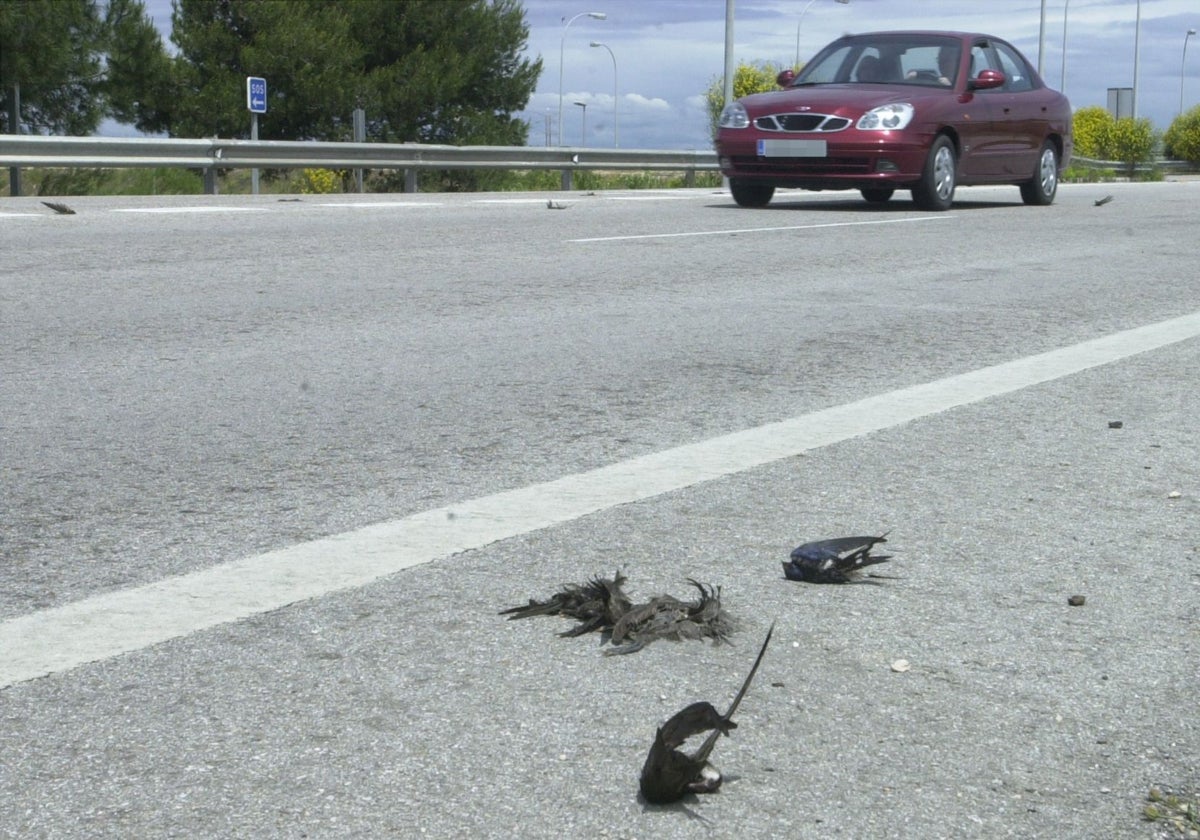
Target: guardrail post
689,178
568,180
410,180
210,180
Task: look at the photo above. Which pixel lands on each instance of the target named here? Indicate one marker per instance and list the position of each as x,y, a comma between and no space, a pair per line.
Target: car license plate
791,148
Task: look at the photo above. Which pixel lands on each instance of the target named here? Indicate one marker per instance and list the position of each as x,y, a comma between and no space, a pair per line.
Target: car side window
1014,69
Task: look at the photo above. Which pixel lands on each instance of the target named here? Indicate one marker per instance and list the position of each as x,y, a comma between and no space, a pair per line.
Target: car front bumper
834,164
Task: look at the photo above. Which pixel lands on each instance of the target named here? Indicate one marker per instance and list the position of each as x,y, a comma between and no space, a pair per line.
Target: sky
668,52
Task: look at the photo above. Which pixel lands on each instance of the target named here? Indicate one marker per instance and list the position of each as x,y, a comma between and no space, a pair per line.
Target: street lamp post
583,127
1042,40
1137,50
561,47
1062,79
614,61
1183,66
801,18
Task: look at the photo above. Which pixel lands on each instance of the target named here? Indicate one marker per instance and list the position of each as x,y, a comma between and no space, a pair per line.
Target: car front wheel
1040,190
749,194
935,190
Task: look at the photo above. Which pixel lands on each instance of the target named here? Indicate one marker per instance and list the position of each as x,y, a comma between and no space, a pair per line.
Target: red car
921,111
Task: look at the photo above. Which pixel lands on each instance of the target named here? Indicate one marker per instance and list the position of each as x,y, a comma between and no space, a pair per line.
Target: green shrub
1093,128
747,79
1132,142
1182,140
321,181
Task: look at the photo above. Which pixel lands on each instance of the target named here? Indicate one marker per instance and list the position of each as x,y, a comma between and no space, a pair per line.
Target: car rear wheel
935,190
877,195
750,194
1040,190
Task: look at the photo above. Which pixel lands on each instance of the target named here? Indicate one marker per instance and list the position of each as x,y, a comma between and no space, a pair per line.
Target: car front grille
795,123
803,165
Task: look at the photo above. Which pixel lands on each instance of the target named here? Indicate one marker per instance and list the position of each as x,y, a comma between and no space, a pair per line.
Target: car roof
940,32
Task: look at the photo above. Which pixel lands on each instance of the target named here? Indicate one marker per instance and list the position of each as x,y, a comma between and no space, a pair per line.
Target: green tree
51,62
747,79
446,71
1182,140
73,62
303,48
1092,129
137,82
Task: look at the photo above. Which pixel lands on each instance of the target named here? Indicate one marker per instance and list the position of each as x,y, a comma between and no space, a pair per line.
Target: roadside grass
39,181
1094,175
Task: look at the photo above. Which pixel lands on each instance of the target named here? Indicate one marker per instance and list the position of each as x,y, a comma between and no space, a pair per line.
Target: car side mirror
988,80
785,78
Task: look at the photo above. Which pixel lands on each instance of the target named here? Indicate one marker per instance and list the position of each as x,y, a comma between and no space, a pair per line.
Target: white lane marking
661,197
187,209
380,204
541,201
930,218
103,626
20,215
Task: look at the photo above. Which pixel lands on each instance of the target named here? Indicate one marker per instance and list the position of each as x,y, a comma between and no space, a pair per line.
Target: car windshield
891,59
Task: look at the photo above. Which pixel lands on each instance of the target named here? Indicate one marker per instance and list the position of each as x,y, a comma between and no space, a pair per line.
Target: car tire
935,190
750,194
1041,189
877,195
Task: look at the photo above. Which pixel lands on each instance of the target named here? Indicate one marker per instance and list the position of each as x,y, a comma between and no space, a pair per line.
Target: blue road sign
256,94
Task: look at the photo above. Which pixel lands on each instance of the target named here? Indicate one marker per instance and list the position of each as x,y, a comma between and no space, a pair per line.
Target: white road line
541,201
187,209
103,626
931,218
380,204
661,197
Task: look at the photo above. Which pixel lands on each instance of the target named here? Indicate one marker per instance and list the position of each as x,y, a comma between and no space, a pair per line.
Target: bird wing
837,547
709,742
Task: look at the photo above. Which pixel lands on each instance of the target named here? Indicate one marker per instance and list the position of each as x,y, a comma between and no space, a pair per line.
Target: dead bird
59,208
838,560
667,617
669,773
597,605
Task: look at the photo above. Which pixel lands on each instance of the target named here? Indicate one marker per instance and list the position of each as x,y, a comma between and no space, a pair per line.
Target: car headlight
887,117
734,116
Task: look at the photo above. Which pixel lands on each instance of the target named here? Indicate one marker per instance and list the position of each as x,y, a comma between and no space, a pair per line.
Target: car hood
842,100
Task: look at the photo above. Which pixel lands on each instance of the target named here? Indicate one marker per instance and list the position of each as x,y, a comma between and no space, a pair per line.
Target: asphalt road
317,445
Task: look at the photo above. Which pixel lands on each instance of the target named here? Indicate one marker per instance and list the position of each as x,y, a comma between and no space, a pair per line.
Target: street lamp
1183,66
1062,79
614,60
583,128
799,19
1042,39
561,45
1137,49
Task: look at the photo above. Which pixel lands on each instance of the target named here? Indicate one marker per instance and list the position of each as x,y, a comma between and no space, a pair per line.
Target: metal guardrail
1123,166
215,153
